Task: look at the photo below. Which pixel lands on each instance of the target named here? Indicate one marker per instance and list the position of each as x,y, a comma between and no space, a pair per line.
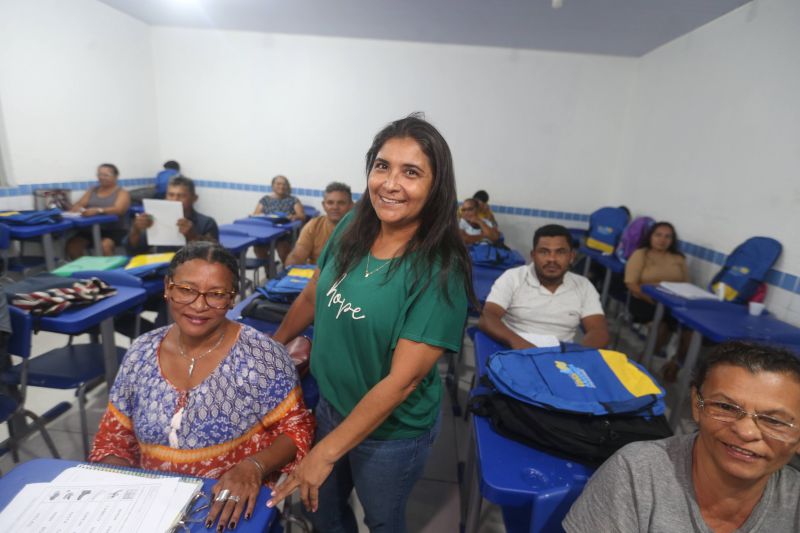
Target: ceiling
609,27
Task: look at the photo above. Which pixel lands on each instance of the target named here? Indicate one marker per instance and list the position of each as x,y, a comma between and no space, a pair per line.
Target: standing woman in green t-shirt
388,298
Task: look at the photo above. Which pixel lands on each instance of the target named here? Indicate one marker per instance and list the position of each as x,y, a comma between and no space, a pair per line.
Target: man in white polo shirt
544,299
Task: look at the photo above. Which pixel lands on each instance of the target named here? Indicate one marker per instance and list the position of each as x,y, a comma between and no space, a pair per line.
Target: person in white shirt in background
474,228
544,298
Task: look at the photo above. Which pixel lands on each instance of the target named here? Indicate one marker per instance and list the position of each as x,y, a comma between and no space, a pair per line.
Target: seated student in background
658,259
338,200
730,475
280,200
544,298
484,211
474,228
206,396
194,226
107,198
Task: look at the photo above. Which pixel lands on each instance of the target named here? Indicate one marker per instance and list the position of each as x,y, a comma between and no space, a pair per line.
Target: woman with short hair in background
106,198
279,201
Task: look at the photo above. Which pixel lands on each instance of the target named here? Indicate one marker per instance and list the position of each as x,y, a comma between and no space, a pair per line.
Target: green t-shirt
357,323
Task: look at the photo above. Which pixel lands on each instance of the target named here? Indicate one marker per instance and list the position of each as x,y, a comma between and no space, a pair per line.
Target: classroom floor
434,504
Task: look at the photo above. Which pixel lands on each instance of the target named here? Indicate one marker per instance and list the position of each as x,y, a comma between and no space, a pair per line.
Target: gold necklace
197,357
367,273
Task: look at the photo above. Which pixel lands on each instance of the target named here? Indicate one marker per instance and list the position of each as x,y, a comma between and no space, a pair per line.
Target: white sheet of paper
93,474
164,231
70,507
687,290
540,341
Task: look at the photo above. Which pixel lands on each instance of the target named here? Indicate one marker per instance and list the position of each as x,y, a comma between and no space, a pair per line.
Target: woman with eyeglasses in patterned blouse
206,396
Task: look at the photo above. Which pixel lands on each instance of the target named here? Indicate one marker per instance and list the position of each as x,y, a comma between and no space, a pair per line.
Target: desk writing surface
37,230
76,320
513,474
236,243
263,232
727,323
82,222
673,301
44,470
611,262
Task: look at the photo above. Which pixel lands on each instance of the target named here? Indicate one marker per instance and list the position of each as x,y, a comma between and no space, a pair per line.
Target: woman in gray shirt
107,198
732,475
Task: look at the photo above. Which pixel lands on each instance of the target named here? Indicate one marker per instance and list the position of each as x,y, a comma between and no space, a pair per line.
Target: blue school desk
265,234
612,266
94,222
609,262
238,244
44,470
669,300
482,280
722,323
45,232
76,320
235,314
534,489
293,226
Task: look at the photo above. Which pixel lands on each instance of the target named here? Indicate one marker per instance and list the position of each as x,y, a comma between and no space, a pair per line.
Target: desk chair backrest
632,237
115,278
162,180
605,228
746,268
20,341
5,237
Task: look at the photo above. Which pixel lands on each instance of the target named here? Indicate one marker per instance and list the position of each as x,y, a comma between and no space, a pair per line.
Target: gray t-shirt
647,486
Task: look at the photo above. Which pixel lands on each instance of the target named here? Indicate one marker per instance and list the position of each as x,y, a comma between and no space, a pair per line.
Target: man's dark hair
338,186
552,230
751,356
211,252
182,181
481,196
172,165
113,168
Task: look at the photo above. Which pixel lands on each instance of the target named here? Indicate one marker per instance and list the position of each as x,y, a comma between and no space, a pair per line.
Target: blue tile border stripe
784,280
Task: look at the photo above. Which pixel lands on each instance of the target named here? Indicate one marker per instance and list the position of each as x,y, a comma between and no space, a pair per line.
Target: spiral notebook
110,498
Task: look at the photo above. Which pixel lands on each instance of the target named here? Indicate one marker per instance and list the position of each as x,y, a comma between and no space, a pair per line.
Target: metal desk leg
109,349
243,272
606,287
471,499
49,252
98,241
685,377
586,266
652,335
272,269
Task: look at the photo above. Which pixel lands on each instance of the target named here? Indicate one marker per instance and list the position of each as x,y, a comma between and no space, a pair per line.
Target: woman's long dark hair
437,240
673,246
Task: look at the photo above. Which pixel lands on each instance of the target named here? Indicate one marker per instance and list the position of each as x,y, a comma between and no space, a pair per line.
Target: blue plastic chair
12,407
605,229
21,265
310,212
75,366
746,268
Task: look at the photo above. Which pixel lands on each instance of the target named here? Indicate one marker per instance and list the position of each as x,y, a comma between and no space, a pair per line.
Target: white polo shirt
531,308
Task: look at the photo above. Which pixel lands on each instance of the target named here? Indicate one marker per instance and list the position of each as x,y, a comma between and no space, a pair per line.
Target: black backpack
584,438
